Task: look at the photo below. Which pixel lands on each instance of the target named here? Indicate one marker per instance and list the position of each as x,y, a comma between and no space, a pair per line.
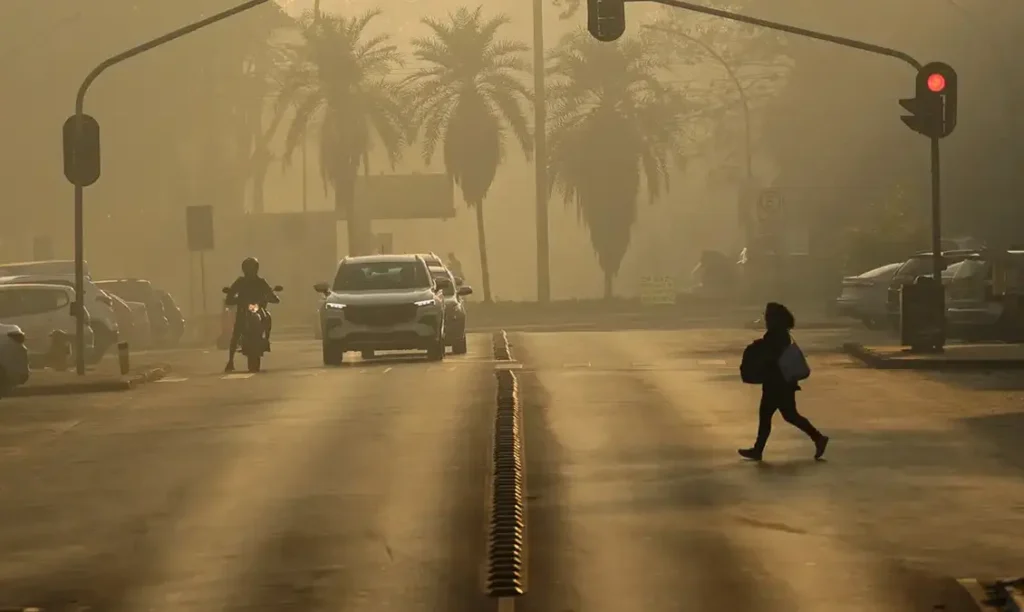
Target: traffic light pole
782,27
79,189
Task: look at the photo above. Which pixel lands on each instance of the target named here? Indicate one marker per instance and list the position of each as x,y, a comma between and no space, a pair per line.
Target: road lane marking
508,365
712,362
237,376
388,370
586,364
169,379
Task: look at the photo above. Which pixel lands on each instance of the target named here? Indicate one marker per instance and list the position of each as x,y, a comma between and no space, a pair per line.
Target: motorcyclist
250,288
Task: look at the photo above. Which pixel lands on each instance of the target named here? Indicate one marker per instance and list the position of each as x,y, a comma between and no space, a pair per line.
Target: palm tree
612,123
338,77
468,97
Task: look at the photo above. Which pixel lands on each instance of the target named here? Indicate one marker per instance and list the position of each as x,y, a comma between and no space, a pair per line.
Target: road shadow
1002,433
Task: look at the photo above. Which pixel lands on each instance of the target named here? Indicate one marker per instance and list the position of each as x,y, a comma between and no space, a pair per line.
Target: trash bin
923,315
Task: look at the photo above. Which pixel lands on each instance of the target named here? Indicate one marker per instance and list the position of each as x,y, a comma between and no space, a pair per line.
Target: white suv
382,303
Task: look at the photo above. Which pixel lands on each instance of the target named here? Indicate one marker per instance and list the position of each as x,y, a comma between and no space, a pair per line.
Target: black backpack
754,367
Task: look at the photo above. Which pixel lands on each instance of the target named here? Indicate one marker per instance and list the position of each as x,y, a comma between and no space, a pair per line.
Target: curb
506,554
874,360
101,386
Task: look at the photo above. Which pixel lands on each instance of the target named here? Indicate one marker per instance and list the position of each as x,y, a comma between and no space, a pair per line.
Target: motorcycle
252,342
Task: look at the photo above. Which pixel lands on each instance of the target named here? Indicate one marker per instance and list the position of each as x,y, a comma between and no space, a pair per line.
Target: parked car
976,309
39,310
920,264
99,305
454,309
175,318
14,369
137,290
143,337
865,296
125,320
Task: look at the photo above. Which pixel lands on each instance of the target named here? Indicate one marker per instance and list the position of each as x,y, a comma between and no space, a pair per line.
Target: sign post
199,230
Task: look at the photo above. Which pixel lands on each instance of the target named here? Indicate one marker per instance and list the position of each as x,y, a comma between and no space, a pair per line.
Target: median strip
506,574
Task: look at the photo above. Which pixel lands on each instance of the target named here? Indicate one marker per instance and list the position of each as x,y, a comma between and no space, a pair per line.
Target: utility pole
540,156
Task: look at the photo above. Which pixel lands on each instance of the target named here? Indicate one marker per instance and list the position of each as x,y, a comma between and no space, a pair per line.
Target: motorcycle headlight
424,302
332,306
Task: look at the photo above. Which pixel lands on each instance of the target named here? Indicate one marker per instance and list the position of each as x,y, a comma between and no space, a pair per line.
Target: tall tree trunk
481,234
608,278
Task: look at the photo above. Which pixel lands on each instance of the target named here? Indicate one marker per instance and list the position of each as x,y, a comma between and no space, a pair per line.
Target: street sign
199,228
81,150
769,206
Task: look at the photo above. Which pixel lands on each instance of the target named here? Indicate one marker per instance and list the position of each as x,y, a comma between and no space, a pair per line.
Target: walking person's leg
765,413
787,406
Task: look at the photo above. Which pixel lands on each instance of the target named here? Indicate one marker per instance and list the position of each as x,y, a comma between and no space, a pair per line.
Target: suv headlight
424,302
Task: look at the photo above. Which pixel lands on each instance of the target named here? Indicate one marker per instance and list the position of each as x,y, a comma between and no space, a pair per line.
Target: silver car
382,303
454,309
865,296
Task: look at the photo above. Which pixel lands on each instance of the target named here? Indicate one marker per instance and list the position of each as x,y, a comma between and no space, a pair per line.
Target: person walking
761,365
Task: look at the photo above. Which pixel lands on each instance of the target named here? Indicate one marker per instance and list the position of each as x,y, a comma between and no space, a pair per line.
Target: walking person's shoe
819,447
750,453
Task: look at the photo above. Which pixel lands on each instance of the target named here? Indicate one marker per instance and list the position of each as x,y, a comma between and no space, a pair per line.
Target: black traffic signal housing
933,107
81,150
606,19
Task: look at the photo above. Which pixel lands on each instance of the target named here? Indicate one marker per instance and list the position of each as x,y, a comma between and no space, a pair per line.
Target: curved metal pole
735,80
782,27
79,195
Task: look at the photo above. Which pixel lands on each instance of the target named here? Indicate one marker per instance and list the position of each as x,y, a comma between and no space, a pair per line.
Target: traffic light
933,107
81,150
606,19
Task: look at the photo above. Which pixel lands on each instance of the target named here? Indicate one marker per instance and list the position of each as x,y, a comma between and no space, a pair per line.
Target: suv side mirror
226,290
465,290
278,288
442,284
321,288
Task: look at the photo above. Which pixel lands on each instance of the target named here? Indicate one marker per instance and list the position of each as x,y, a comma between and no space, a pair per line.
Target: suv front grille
381,316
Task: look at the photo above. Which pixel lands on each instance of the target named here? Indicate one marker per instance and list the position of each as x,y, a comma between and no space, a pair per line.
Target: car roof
112,281
357,259
16,286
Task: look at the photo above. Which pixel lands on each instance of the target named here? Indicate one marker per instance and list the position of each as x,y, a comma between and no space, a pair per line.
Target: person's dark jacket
250,290
774,343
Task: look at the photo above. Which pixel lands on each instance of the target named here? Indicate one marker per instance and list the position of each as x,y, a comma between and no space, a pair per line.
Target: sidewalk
104,377
977,357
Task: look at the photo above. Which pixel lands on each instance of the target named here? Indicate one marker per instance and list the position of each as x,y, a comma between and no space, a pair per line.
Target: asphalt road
363,488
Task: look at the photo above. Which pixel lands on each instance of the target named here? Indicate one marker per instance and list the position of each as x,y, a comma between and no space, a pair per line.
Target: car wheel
368,354
333,354
459,346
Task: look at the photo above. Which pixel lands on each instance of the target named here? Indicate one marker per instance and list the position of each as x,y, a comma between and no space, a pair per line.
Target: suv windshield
381,276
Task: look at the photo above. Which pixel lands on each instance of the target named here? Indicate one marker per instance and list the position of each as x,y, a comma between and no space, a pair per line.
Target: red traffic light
936,82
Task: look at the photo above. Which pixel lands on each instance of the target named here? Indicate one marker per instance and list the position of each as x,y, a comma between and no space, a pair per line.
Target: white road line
363,371
172,379
714,362
508,365
237,376
577,365
388,370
